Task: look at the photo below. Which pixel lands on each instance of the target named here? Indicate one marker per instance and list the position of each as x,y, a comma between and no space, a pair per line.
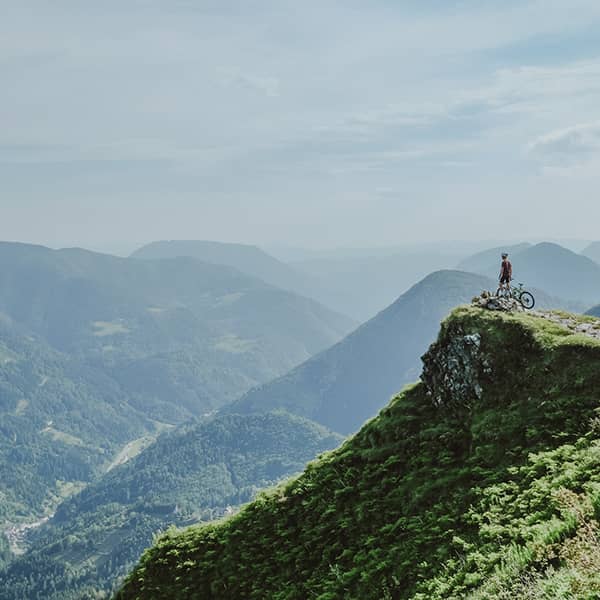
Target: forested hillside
480,481
61,421
198,472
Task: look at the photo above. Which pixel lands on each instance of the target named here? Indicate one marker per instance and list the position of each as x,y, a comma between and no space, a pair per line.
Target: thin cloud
576,142
266,85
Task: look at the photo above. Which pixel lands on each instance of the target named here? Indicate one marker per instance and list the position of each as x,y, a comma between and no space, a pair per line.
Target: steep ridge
195,473
348,383
480,481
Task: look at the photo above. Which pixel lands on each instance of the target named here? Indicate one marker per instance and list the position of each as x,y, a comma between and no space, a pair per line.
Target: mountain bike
519,294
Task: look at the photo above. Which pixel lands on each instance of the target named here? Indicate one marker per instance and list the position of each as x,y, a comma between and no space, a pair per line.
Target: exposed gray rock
490,302
452,371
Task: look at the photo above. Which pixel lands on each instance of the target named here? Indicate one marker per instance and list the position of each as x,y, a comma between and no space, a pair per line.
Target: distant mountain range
363,286
243,257
359,285
198,472
174,333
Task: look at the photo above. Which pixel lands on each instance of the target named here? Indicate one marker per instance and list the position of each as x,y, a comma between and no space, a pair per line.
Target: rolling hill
348,383
197,472
481,482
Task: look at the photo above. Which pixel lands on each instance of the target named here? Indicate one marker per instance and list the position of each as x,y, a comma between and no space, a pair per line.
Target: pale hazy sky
306,122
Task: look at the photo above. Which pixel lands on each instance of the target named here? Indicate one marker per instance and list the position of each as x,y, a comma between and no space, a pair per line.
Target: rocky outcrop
454,370
490,302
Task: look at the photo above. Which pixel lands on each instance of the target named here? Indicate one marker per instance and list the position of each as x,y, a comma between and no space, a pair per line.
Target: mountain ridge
479,481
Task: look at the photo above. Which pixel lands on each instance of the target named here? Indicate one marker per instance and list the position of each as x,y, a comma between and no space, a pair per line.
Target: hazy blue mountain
361,286
246,258
592,251
348,383
197,472
355,282
178,334
480,262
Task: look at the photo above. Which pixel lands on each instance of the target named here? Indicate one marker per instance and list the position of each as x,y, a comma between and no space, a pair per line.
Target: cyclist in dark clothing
505,271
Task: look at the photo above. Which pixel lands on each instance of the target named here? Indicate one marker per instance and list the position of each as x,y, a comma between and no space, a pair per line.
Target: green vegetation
60,421
197,472
481,481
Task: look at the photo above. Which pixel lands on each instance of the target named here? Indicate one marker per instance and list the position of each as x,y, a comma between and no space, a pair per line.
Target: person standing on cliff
505,271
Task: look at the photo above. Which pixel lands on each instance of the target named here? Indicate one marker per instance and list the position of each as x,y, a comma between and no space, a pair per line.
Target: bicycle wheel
527,300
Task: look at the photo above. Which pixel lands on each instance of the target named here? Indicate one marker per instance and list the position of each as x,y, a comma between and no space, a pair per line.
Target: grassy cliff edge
482,480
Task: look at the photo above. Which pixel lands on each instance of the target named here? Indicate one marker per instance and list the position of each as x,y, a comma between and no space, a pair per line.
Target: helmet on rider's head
505,255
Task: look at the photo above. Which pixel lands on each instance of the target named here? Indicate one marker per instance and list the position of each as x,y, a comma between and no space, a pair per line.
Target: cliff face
479,481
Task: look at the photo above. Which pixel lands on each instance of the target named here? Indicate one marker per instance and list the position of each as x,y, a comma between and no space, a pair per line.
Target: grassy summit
482,481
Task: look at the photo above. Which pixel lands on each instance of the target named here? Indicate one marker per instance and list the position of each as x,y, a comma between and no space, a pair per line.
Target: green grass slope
194,473
481,481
